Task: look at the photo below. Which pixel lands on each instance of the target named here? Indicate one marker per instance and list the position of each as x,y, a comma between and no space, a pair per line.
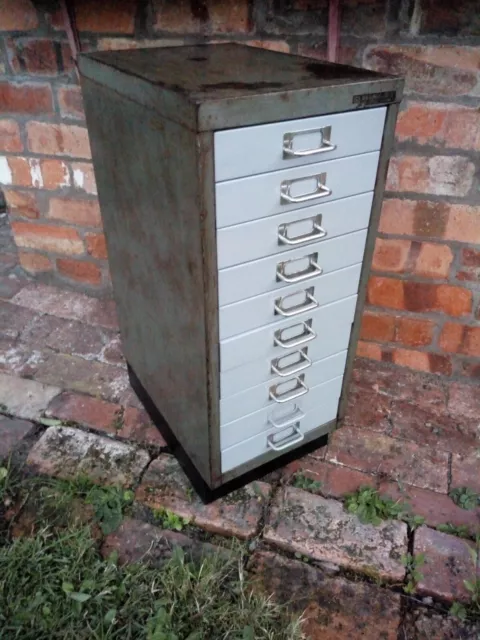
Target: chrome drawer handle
325,144
307,335
321,190
288,442
304,275
300,390
303,363
296,416
309,304
318,232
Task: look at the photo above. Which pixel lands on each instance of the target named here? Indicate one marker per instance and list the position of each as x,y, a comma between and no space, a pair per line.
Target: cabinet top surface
209,72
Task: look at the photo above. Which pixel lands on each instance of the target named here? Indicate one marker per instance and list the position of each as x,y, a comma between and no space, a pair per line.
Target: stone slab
25,398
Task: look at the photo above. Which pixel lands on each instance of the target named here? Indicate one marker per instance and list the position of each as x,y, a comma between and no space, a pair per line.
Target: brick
438,430
470,261
84,177
440,70
47,238
10,285
22,203
386,292
438,175
433,261
425,623
301,522
391,255
336,482
96,245
369,350
270,45
13,319
81,271
23,398
18,15
36,57
463,401
463,224
421,361
81,212
105,18
66,452
58,139
55,174
12,432
367,409
377,453
83,376
439,124
229,17
22,98
113,352
10,136
377,326
466,470
179,17
333,608
419,296
35,262
20,172
443,17
414,332
164,485
136,541
436,508
70,102
458,338
68,304
447,564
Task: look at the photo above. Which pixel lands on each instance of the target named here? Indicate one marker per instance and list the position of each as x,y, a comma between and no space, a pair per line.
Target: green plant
412,563
371,508
109,504
465,498
412,519
56,586
302,482
118,421
471,609
170,520
460,530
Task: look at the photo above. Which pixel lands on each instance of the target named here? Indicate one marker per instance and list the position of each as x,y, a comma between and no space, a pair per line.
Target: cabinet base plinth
205,492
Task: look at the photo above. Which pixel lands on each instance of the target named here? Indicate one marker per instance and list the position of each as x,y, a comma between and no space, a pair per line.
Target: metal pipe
333,30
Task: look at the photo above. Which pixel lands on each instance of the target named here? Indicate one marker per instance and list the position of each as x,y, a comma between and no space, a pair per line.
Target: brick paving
412,436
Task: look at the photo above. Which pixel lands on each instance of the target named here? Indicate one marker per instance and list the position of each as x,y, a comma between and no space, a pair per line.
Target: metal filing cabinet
240,191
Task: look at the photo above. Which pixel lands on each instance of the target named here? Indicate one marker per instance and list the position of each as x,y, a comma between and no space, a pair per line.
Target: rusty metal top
210,86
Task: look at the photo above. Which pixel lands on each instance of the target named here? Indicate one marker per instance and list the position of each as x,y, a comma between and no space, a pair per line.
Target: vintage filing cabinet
240,191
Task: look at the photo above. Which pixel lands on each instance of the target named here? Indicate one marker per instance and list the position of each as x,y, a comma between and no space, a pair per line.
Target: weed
465,498
57,586
460,530
372,508
470,610
412,563
189,493
118,421
302,482
109,504
170,520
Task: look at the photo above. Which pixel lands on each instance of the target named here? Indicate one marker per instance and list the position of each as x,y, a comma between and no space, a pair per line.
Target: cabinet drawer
296,266
253,240
267,194
251,150
247,438
264,395
325,323
294,302
256,372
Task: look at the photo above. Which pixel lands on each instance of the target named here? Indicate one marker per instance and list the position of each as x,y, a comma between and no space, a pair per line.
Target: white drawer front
250,150
253,240
326,322
294,299
267,194
255,372
247,438
264,395
272,273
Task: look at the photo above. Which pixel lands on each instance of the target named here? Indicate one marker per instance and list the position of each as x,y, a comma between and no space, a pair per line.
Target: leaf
109,617
79,597
248,633
67,587
3,473
50,422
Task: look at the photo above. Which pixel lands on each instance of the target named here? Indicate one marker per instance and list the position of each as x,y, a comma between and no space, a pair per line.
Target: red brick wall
424,297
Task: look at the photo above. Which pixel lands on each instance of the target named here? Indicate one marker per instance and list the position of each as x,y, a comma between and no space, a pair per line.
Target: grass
55,584
412,564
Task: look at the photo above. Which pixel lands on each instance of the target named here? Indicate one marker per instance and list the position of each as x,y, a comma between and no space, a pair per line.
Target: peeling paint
79,178
36,173
5,171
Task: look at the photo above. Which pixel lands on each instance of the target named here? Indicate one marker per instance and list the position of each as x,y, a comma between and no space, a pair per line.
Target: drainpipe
333,30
